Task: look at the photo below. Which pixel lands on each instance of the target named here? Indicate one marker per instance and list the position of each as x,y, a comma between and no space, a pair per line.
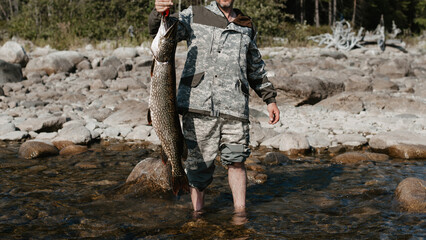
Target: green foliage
268,15
420,18
64,23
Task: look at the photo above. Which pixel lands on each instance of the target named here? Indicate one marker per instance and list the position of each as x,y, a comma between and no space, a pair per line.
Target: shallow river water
84,196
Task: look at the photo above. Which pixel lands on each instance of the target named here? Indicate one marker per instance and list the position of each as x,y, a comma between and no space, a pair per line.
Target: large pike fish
163,106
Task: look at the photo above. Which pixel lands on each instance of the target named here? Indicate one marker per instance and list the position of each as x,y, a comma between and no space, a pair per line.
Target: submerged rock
411,194
408,151
151,173
73,150
35,149
350,157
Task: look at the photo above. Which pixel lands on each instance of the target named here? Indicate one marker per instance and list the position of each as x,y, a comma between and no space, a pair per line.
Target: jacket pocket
193,80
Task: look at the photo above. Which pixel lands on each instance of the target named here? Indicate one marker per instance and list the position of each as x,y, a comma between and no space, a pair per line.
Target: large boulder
308,89
46,124
290,143
35,148
56,62
150,175
411,194
75,133
13,52
383,141
10,72
130,113
396,68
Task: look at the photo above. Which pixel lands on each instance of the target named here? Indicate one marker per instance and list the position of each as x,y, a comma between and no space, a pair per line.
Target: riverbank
329,100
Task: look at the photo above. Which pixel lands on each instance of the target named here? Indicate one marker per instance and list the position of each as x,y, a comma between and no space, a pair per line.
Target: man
223,61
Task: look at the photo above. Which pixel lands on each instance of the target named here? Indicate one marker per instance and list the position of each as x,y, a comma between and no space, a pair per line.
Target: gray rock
50,64
13,52
47,124
349,102
14,136
411,194
10,72
357,83
141,132
102,73
333,54
125,52
84,65
395,68
1,92
113,62
351,140
75,133
129,113
6,128
291,143
310,90
385,140
125,84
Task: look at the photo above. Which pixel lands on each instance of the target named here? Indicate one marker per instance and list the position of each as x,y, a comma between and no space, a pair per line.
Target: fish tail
179,182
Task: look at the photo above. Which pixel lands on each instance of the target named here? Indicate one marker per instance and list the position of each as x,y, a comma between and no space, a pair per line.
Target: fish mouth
165,37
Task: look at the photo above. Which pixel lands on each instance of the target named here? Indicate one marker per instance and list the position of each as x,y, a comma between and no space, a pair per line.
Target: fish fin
184,150
152,67
148,117
164,157
180,183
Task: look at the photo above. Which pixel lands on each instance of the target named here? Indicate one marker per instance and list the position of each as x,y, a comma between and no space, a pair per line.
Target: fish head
163,46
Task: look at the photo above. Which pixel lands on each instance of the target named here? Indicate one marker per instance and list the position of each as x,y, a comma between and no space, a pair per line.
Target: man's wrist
270,100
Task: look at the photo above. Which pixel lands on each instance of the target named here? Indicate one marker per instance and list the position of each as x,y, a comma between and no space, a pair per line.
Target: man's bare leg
237,179
197,199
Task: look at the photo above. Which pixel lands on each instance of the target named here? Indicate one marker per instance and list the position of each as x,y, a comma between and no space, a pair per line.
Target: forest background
66,23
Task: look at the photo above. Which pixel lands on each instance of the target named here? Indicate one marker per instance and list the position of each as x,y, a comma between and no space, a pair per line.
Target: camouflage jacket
223,61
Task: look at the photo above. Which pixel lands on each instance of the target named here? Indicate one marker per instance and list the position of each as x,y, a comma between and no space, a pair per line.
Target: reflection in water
84,196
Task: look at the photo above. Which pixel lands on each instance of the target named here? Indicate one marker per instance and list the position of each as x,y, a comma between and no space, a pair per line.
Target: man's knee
237,165
234,154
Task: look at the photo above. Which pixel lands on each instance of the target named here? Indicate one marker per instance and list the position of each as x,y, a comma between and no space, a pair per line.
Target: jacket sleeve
256,74
154,21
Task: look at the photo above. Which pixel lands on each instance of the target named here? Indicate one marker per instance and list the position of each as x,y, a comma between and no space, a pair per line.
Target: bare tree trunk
317,23
354,14
180,2
330,14
11,8
4,13
334,10
302,11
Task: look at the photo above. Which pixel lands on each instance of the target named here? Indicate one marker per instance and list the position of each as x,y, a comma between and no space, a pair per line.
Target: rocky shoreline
328,100
57,102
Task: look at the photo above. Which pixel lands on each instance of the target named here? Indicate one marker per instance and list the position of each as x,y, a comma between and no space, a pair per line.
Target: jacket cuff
270,100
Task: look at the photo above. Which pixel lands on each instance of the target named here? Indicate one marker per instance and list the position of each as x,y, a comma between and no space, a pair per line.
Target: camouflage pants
206,136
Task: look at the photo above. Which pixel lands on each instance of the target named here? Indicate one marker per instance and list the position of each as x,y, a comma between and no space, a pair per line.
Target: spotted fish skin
163,105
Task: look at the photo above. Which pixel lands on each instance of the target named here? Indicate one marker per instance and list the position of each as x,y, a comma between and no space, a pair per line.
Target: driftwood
344,39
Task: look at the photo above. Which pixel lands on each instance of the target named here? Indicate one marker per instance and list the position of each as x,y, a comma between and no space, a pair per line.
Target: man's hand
274,113
162,5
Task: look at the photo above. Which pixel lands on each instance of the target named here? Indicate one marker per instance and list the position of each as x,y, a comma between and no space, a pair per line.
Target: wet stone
35,149
73,150
350,157
275,158
407,151
85,165
411,194
257,178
